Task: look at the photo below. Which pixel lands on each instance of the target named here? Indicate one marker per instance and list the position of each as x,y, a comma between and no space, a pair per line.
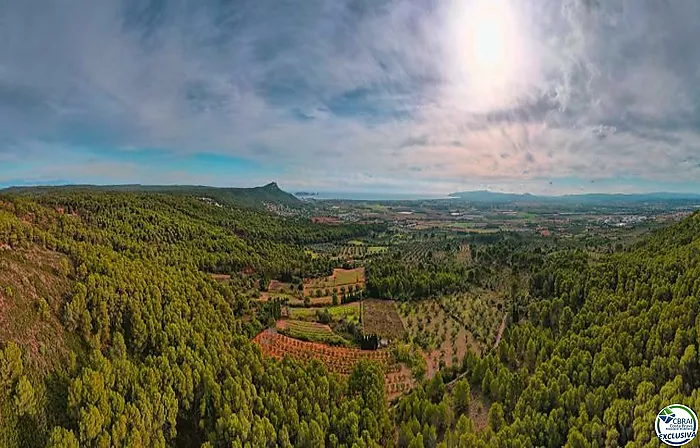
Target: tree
436,388
417,442
461,397
496,417
24,397
62,438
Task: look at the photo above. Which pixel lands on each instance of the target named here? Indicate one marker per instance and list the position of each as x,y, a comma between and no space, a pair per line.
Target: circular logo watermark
676,425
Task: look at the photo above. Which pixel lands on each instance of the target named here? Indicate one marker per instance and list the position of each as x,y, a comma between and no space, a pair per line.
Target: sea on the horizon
365,196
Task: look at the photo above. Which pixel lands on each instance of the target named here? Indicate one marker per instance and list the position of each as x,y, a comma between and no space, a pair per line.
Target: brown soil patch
381,318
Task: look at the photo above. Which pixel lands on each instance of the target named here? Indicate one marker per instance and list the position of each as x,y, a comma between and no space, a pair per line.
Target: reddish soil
325,220
339,360
500,330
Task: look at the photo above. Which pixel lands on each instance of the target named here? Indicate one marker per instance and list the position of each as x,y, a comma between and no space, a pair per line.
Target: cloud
356,93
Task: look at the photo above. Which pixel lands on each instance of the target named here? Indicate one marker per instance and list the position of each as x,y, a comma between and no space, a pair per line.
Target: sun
488,50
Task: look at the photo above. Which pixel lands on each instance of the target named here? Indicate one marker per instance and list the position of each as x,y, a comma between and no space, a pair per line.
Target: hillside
251,197
138,345
595,198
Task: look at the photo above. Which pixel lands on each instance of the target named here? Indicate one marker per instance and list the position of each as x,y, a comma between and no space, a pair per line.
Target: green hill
251,197
135,344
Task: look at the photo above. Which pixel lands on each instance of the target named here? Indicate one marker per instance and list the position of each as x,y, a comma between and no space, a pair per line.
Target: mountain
255,197
591,198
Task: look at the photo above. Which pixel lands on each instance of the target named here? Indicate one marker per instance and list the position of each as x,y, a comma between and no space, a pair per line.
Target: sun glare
489,51
487,40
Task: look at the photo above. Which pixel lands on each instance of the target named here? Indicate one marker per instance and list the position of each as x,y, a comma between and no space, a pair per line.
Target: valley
381,330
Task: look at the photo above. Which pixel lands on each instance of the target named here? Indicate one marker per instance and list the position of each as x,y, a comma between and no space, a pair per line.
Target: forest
145,348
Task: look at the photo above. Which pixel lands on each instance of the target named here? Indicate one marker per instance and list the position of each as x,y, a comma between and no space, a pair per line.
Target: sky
414,96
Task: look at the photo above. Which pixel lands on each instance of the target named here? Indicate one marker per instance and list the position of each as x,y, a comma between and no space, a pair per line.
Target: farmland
443,340
358,252
342,282
336,359
309,331
348,311
380,317
477,312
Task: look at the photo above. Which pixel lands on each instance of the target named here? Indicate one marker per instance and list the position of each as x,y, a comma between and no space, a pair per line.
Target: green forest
124,338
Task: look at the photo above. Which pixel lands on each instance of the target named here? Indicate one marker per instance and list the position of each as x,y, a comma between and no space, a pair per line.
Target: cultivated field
349,312
478,313
354,252
309,331
442,339
341,281
339,360
464,253
381,318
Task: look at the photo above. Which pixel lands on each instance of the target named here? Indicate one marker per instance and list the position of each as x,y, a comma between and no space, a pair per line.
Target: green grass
356,243
348,311
376,249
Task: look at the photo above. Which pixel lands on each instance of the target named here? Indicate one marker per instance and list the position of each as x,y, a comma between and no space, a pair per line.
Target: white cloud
579,88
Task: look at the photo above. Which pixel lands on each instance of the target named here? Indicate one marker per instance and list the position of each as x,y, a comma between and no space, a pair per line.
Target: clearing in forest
381,318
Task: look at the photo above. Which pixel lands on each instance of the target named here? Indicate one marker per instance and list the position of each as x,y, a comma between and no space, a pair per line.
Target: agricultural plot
311,301
430,251
381,318
309,331
349,276
281,290
355,252
342,280
339,360
478,313
442,339
278,287
348,312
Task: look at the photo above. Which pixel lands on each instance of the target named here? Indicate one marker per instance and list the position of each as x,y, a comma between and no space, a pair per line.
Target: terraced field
309,331
339,360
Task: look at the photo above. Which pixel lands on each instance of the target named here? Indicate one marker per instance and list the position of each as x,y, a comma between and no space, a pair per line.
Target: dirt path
500,331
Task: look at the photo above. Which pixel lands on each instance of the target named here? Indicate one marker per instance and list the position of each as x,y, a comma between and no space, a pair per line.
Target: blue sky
413,96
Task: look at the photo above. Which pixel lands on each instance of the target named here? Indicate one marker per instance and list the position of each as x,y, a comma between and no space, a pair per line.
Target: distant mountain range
591,198
251,197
